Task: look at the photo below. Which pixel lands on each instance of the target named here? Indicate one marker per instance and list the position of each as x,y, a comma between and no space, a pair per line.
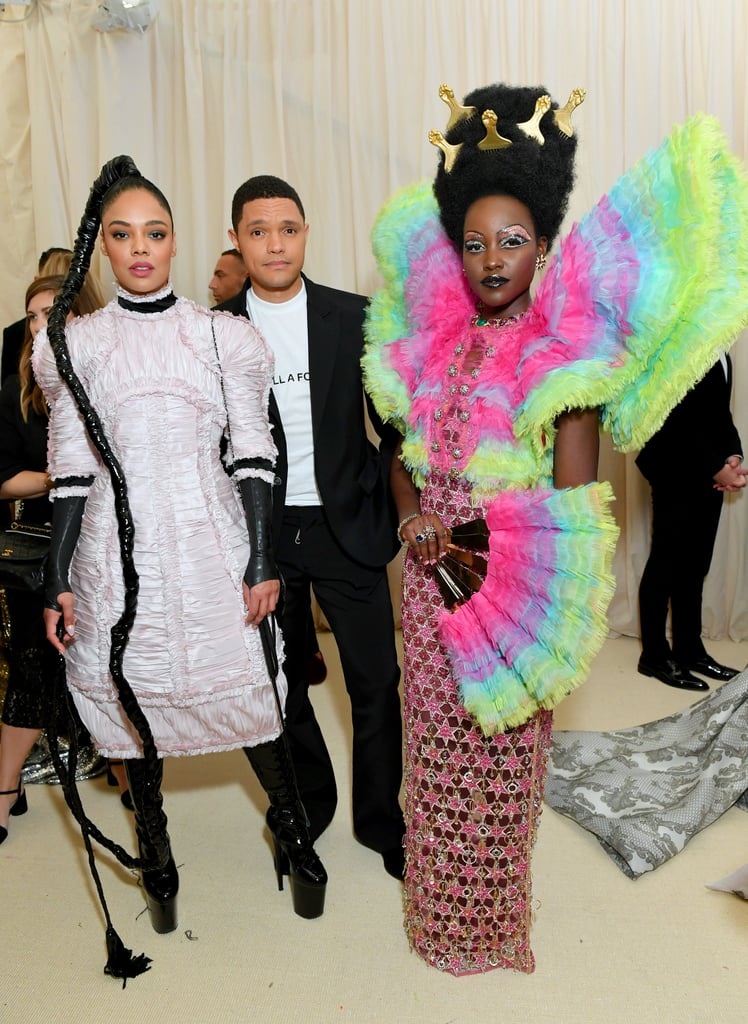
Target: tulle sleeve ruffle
527,638
424,300
422,279
640,299
646,291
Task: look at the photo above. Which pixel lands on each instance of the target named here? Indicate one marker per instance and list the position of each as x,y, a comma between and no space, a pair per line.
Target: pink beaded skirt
472,802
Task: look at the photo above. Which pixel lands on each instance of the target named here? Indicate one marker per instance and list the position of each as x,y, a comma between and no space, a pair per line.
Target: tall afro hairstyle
540,176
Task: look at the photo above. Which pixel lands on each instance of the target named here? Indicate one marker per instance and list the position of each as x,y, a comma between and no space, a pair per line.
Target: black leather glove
67,514
257,495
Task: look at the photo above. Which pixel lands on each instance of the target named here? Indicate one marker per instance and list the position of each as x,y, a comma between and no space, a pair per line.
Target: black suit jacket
698,435
352,473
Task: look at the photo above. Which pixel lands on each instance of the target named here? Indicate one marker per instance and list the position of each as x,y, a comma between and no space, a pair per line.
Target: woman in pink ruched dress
153,517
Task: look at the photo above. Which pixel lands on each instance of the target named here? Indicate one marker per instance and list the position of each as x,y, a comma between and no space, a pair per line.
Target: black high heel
293,853
19,806
160,881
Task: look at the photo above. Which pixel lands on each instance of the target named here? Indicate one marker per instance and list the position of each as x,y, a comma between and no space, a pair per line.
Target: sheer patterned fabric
472,802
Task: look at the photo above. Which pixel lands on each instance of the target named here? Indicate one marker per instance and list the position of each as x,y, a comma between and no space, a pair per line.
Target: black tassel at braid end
120,962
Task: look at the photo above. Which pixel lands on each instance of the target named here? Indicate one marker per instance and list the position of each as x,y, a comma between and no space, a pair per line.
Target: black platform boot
161,881
292,845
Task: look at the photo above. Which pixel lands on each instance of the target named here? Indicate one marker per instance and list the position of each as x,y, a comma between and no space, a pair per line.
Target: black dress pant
684,528
356,602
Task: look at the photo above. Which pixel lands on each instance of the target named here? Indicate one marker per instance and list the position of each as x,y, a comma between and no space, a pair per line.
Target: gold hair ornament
562,116
457,112
451,152
531,128
492,138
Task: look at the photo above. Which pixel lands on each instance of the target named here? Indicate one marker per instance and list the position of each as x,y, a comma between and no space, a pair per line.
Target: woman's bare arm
577,448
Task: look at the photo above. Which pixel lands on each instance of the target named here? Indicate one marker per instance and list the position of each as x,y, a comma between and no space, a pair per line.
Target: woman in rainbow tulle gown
498,399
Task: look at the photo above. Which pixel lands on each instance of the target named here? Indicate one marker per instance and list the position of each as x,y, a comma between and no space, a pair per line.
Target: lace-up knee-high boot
160,878
292,845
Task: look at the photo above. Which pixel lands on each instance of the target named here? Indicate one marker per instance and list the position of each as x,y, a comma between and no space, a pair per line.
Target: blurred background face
38,310
228,277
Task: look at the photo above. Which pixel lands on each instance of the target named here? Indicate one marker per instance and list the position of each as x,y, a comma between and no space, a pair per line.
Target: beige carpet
661,949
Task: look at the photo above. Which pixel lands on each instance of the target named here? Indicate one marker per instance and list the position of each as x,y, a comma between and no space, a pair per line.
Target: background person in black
229,275
24,480
334,524
51,262
684,528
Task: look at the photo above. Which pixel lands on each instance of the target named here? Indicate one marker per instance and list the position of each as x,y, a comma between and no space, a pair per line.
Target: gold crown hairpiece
492,139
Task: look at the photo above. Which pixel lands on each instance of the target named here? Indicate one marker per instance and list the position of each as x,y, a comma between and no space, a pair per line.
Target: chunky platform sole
308,896
163,913
161,888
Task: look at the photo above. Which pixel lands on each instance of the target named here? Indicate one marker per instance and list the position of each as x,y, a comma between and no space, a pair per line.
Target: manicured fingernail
70,630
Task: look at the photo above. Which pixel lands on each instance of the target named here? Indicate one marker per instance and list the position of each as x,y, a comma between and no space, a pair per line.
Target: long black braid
120,963
119,167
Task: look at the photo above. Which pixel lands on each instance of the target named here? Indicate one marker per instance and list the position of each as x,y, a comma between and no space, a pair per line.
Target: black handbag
24,550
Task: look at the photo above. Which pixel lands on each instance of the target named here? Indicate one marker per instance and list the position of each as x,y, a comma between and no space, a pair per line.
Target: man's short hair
233,252
263,186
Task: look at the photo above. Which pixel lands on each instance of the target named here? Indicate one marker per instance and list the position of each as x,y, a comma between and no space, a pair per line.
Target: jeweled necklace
480,319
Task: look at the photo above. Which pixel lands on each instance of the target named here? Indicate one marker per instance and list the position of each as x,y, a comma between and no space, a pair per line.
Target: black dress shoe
672,674
394,862
713,669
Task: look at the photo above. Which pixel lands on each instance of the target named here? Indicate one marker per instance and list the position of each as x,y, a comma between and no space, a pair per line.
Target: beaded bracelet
404,522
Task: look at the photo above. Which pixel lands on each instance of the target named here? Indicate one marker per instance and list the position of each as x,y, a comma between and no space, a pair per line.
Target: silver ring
420,538
429,532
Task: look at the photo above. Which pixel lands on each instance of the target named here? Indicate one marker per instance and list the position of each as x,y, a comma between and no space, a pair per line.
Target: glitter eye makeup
515,234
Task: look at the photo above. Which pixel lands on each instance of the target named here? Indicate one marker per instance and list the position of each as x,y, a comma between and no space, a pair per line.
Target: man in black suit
698,437
333,520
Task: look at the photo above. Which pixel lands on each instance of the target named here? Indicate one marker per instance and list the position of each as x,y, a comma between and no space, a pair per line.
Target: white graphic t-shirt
284,327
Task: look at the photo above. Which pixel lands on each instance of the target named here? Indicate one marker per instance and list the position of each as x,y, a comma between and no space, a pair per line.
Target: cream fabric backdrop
337,96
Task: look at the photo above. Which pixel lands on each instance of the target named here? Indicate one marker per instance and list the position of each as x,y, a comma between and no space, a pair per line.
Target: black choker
154,306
